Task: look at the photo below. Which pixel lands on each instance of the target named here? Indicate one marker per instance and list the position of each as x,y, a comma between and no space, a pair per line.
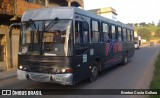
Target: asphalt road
136,74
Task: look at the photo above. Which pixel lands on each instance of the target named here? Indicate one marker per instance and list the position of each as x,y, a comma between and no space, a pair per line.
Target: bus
66,45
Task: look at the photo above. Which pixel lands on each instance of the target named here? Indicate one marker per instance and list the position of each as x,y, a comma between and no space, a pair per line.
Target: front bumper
64,79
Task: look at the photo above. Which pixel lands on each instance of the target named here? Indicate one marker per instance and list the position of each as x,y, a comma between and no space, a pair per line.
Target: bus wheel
94,73
125,59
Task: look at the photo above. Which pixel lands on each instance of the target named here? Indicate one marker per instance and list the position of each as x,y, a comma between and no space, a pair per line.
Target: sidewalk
11,73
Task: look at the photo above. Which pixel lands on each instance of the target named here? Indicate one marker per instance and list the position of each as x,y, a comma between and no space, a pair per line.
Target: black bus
66,45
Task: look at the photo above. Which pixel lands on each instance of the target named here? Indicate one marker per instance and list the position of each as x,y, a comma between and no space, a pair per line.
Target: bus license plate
58,79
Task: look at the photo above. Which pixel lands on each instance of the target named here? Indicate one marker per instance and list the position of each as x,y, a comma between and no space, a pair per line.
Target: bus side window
128,35
85,32
132,36
113,31
124,35
119,34
78,32
95,34
105,30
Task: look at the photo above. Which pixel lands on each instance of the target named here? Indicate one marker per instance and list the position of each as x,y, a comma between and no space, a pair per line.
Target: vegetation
155,84
145,30
144,33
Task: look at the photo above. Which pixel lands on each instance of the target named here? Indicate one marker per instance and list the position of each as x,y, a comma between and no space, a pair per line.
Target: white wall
110,16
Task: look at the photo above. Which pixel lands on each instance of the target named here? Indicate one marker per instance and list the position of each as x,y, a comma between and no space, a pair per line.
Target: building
11,12
107,12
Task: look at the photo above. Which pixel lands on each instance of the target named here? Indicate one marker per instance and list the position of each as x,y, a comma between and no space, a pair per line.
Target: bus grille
41,68
39,77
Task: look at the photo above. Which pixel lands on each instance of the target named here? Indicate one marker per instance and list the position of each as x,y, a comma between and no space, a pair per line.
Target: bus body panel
105,53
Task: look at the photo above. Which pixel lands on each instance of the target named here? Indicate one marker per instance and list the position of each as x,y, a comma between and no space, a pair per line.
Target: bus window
105,32
95,34
132,36
128,35
119,34
124,35
78,30
113,28
81,32
85,32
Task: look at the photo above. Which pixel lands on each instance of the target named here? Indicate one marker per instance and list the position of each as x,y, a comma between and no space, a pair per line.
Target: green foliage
145,31
143,24
157,33
150,24
155,84
136,24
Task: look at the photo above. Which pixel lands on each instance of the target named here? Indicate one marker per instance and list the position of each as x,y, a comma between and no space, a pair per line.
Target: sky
130,11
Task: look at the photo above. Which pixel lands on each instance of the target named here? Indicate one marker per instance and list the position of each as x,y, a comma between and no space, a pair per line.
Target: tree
136,24
142,24
157,33
144,33
151,24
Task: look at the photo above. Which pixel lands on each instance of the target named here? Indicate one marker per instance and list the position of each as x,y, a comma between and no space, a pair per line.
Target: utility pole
46,3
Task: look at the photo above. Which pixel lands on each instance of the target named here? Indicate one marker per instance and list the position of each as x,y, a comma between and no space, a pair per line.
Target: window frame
115,35
124,37
92,31
132,35
105,39
81,31
84,31
120,34
128,35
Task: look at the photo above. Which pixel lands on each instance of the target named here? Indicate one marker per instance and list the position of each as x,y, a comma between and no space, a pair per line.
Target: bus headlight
57,71
63,70
21,67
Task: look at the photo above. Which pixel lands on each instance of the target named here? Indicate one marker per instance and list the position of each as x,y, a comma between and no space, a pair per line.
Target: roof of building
104,10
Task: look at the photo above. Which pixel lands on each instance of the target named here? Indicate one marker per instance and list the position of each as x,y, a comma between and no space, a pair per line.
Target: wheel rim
94,72
126,59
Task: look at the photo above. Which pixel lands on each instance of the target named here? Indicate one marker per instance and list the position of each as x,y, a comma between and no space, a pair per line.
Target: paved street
135,75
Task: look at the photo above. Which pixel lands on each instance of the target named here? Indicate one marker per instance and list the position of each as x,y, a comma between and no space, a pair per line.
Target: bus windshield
49,37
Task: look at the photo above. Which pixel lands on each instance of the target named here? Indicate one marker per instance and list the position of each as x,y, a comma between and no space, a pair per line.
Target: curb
9,77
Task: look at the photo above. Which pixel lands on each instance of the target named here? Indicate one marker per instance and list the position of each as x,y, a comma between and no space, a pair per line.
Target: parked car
136,45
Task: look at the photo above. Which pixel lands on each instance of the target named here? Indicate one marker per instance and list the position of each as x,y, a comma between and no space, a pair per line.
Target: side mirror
10,32
10,28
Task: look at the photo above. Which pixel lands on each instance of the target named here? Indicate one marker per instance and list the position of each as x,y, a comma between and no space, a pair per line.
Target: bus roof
65,13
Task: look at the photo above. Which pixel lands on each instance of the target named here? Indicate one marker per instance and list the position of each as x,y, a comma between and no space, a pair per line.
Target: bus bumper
63,79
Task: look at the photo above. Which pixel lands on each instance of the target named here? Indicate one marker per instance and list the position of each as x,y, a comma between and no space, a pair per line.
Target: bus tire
94,73
125,59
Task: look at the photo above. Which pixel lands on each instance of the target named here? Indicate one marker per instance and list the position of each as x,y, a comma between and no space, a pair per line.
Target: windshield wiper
32,23
50,25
